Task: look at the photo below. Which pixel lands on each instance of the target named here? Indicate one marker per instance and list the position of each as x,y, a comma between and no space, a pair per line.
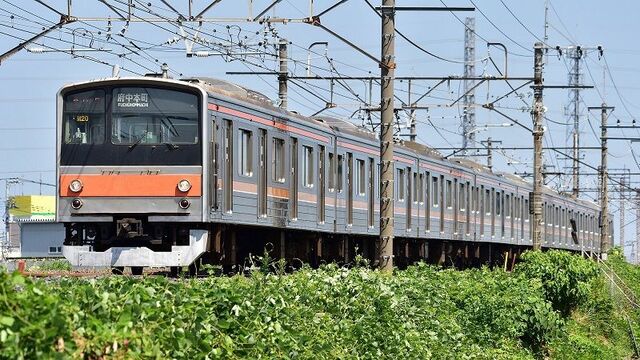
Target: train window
332,173
278,160
434,191
340,173
414,186
307,166
360,177
507,206
498,202
525,211
462,198
246,153
449,195
421,189
401,185
487,201
84,115
153,116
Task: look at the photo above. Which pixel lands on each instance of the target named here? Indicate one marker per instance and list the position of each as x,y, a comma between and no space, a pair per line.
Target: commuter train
157,172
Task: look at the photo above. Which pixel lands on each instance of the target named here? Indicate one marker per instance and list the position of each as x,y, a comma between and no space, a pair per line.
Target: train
161,172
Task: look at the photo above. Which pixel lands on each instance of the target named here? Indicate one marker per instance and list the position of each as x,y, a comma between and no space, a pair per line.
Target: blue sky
29,81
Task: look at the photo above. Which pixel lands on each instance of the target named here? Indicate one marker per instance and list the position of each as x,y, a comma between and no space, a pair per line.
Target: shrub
566,278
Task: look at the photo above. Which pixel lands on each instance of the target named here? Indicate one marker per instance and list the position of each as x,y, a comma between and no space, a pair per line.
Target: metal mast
538,133
622,220
604,194
387,73
575,54
469,115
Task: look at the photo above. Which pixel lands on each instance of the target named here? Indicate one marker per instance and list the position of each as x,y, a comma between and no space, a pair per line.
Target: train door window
331,179
462,195
321,183
307,166
435,193
507,206
228,166
526,209
414,187
401,185
349,188
262,174
278,161
421,188
246,153
294,178
360,177
449,195
371,187
495,211
487,201
340,174
498,198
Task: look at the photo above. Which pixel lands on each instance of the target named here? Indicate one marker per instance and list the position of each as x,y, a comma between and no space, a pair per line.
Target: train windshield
84,117
153,116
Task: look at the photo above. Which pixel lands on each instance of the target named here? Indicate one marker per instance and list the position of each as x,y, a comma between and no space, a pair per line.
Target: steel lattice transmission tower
469,115
573,109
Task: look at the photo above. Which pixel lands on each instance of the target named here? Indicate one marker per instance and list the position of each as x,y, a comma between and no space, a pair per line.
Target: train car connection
156,172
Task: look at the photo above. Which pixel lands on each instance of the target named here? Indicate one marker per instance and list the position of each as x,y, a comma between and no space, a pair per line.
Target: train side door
228,166
294,179
349,189
262,174
213,148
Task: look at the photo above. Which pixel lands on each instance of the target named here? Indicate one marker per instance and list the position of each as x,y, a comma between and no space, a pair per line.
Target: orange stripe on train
130,185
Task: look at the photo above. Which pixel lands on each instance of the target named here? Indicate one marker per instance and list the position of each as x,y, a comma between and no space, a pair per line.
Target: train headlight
184,185
75,186
184,204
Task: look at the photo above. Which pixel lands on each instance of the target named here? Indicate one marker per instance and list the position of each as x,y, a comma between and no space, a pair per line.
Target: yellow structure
33,207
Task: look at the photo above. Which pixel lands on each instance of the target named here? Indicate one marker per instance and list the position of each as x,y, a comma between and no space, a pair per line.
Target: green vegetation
554,305
51,265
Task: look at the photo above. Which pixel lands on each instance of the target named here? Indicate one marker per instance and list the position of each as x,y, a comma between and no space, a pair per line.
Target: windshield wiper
132,146
171,146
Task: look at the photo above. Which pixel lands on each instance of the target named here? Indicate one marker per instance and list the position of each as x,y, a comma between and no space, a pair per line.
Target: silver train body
150,170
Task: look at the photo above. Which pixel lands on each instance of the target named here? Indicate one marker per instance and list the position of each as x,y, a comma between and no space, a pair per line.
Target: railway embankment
553,305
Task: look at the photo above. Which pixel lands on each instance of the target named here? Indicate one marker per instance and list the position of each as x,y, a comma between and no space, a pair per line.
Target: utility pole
604,194
489,144
538,133
469,112
283,73
387,74
412,118
622,203
575,54
637,247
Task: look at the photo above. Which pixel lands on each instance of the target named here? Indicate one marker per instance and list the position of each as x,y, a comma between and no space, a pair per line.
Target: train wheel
136,270
194,268
117,270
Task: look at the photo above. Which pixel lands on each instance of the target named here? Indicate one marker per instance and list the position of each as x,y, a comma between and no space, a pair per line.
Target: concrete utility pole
283,73
604,194
622,203
469,115
538,133
387,73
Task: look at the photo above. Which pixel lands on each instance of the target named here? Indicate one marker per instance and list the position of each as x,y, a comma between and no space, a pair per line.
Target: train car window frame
401,185
245,147
279,161
435,194
340,173
449,194
307,166
361,179
498,197
462,198
421,188
488,202
414,188
507,206
84,117
331,179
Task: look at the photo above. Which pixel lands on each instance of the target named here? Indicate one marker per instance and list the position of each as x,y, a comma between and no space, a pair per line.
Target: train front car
130,163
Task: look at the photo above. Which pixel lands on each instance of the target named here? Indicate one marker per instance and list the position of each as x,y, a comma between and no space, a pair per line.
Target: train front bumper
180,255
